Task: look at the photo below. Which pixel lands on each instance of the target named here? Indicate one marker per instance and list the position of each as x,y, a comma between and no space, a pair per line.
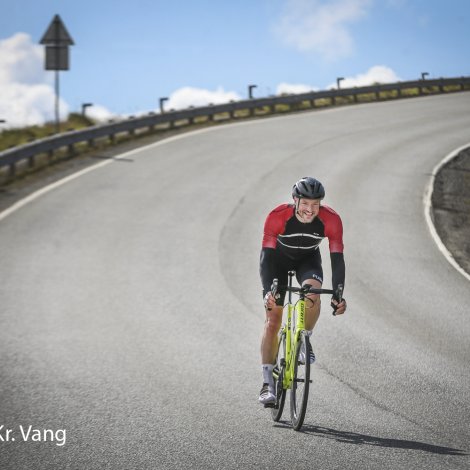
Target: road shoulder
451,207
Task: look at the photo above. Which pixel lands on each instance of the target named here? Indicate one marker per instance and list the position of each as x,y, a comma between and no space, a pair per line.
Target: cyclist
292,235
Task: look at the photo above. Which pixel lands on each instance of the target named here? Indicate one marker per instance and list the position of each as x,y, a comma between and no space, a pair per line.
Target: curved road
131,310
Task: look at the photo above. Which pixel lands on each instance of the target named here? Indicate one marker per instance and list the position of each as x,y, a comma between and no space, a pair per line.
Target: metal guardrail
50,145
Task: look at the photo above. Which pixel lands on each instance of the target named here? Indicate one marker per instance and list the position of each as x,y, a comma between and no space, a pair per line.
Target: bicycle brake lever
274,289
339,292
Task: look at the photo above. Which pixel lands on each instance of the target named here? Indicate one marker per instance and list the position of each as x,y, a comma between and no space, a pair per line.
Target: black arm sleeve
266,268
338,269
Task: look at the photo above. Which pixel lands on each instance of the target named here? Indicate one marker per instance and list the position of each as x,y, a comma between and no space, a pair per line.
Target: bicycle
291,372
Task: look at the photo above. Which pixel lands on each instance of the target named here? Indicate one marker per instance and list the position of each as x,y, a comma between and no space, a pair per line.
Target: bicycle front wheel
300,386
278,374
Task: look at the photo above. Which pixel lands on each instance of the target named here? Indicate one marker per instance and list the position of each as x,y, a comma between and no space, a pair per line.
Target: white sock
268,376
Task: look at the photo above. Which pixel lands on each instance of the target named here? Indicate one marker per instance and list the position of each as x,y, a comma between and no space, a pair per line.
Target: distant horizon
126,57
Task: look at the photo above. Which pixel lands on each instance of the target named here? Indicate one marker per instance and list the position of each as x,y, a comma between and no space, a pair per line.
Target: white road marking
428,211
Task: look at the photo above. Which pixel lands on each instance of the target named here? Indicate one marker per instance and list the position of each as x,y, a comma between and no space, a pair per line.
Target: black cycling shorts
308,267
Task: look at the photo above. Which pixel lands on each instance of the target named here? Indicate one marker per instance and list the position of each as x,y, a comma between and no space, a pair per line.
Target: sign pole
57,114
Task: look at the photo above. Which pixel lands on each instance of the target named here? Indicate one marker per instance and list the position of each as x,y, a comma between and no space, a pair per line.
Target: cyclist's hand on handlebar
338,307
269,301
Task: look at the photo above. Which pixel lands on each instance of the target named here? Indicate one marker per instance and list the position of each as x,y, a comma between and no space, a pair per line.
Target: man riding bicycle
292,235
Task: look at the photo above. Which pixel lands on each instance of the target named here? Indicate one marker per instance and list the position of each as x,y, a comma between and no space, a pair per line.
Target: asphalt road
131,310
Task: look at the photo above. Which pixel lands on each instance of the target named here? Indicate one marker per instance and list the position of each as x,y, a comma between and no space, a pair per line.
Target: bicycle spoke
278,377
300,386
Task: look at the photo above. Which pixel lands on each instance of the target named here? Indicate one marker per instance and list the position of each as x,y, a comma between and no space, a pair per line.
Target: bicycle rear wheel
300,386
278,374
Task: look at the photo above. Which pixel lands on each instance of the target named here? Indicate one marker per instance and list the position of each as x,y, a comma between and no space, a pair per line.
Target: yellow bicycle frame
293,338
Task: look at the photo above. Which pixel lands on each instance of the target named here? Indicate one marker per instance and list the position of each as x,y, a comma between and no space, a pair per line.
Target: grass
14,137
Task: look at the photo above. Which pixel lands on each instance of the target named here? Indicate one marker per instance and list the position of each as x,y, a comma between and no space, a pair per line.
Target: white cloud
99,113
27,96
21,61
321,26
187,96
291,88
376,74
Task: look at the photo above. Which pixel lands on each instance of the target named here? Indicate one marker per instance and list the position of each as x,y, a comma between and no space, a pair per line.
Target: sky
129,54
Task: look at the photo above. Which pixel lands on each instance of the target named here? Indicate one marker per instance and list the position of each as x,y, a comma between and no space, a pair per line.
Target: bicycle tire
301,383
280,365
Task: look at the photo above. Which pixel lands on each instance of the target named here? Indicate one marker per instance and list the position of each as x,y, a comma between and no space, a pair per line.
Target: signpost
57,41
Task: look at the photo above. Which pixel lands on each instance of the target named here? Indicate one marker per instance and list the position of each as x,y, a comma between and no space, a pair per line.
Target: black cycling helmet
308,187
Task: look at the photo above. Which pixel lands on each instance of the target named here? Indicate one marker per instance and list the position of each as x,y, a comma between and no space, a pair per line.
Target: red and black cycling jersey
295,239
287,238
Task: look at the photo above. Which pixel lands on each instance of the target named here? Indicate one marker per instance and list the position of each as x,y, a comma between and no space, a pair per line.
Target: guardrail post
31,159
192,118
132,130
211,116
70,150
50,155
12,170
151,127
231,113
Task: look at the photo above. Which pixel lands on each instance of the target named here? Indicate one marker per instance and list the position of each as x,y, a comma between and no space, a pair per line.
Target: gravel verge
451,207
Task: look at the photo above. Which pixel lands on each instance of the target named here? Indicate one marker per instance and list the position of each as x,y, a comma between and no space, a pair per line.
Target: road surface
131,307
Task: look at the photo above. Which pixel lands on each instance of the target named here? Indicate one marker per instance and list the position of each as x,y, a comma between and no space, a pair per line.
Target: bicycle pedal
270,405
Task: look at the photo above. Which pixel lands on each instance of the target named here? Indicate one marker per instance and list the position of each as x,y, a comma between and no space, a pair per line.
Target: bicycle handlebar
308,289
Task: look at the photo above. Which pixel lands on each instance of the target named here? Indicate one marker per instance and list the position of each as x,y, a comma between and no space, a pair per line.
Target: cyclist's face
308,209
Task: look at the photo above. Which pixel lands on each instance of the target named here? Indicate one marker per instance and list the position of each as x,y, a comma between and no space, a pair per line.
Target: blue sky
128,54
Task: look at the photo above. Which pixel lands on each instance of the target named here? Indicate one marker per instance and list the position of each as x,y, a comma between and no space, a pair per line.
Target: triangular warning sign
57,33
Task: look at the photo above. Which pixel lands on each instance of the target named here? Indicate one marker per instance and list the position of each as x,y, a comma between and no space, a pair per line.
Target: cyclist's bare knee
313,283
313,301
